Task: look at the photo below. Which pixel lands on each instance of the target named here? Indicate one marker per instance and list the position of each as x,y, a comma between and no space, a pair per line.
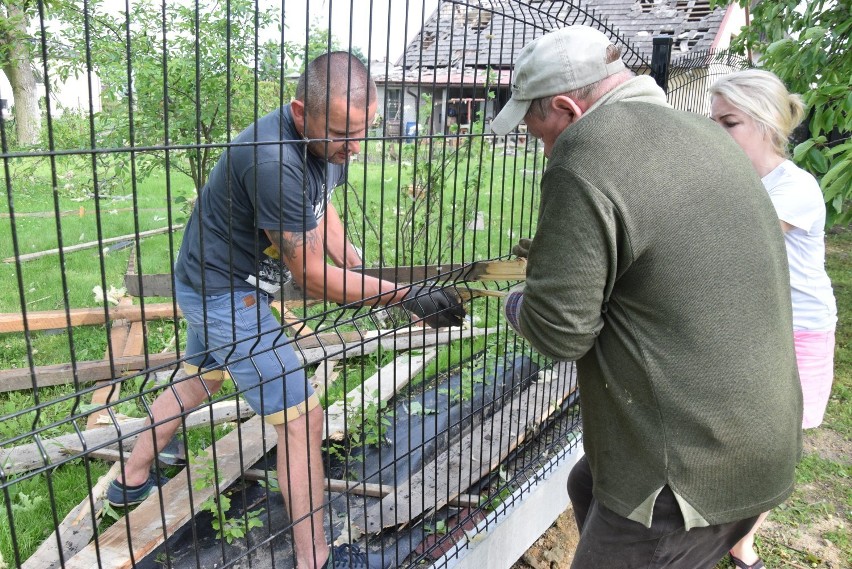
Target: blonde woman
756,109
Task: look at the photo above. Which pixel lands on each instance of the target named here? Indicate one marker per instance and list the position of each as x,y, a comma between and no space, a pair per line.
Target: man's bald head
335,75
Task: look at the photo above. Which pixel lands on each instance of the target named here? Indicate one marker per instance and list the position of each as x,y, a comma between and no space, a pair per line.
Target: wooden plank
135,345
117,550
408,338
91,244
75,531
326,373
469,293
24,458
359,488
87,371
383,385
57,319
288,318
119,330
310,349
515,269
118,334
472,457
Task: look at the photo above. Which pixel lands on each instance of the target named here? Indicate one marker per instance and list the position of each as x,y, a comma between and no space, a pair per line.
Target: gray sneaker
349,556
121,496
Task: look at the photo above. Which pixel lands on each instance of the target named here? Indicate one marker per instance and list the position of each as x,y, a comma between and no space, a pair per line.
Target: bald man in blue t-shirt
263,217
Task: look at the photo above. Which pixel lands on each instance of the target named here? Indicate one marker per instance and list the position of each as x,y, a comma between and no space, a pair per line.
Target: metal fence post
661,56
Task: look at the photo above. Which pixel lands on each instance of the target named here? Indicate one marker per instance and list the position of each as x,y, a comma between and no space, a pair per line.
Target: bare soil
555,549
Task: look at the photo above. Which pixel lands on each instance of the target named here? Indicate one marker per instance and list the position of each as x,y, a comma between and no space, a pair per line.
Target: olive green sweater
659,265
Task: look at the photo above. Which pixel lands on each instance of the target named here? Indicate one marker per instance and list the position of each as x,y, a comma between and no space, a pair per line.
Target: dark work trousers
610,541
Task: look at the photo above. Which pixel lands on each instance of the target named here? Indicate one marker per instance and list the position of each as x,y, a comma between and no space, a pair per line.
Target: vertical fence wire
424,199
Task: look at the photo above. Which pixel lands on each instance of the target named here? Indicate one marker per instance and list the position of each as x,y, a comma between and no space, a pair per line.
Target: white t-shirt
798,201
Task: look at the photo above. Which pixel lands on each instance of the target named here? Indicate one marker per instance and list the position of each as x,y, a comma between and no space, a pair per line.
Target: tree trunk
19,70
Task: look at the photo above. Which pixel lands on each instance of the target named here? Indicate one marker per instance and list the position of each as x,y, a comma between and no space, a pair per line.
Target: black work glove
436,306
522,249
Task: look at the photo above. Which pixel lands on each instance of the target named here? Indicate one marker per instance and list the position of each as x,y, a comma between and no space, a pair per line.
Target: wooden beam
57,319
288,318
470,293
498,271
118,331
326,373
472,457
380,387
91,244
117,548
75,530
118,336
87,371
135,345
358,488
310,349
28,457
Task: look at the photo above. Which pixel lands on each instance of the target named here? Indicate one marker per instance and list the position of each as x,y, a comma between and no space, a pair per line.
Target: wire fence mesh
135,188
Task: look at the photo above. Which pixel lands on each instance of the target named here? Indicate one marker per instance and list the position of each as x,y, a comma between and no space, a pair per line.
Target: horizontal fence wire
144,110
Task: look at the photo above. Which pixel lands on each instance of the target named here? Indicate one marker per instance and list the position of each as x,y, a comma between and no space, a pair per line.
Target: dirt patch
828,445
554,549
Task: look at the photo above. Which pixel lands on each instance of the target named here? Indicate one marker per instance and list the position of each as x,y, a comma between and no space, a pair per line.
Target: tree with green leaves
16,61
189,77
807,45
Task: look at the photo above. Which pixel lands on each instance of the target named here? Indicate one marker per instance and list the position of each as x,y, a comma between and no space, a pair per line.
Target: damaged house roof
489,33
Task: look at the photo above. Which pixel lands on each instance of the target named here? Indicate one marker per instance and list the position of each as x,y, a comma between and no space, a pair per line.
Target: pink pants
815,358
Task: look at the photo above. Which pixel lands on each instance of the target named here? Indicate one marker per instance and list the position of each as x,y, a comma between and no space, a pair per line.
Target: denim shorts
237,333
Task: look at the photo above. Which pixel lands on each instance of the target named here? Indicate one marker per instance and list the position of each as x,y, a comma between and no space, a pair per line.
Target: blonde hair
762,96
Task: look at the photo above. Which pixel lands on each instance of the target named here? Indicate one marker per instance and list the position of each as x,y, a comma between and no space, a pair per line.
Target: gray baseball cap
557,62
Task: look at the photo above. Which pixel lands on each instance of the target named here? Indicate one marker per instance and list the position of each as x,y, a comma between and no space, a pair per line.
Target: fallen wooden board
28,457
310,349
91,244
470,459
86,371
119,335
360,488
408,338
383,385
75,530
118,550
58,319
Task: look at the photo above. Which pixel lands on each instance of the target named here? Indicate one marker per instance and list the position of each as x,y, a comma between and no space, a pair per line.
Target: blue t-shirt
275,184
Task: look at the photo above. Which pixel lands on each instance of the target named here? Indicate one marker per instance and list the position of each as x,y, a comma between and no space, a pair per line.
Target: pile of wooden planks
145,528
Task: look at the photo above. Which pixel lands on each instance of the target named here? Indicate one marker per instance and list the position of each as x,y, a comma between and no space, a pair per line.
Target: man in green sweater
659,266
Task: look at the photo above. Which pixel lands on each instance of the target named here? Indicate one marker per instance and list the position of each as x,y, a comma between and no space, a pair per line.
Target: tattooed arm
304,254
